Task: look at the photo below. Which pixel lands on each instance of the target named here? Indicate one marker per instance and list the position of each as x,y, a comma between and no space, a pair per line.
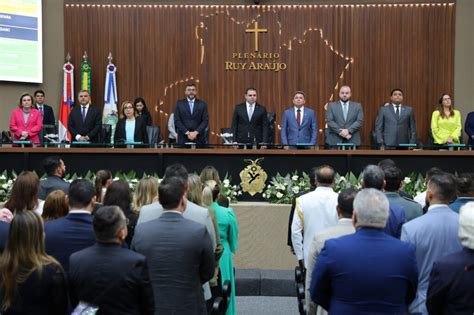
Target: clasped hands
192,135
345,134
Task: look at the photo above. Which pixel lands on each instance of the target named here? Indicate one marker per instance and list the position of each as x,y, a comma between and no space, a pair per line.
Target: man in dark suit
191,118
179,253
368,271
395,122
469,128
73,232
85,120
45,110
250,122
451,284
344,119
107,275
56,170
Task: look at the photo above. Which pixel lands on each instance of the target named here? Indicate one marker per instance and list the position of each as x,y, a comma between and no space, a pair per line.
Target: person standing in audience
465,194
299,123
249,121
73,232
344,226
55,206
143,111
107,275
26,122
179,253
24,194
433,234
191,118
314,212
393,184
85,120
446,122
146,193
130,127
451,282
421,197
103,179
209,172
395,123
56,171
46,111
367,272
32,282
385,163
344,119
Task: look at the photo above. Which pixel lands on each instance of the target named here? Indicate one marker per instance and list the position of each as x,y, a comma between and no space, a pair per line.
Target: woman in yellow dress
446,122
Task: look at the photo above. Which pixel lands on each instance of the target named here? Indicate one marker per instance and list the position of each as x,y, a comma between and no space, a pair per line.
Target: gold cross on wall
256,30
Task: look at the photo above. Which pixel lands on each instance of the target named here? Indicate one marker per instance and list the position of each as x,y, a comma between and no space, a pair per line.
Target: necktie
41,110
397,110
250,111
83,113
298,117
345,110
191,106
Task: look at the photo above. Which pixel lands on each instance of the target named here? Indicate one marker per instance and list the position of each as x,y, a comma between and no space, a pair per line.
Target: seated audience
119,194
446,122
107,275
209,172
146,192
421,197
367,272
31,281
103,178
465,194
24,194
179,252
434,234
451,283
344,226
469,128
55,170
73,232
55,206
130,127
142,111
374,177
26,122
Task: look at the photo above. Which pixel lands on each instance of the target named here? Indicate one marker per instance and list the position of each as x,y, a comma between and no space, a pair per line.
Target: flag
67,100
110,93
85,75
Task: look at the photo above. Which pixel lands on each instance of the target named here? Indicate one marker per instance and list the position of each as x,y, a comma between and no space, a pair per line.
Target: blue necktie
191,106
83,113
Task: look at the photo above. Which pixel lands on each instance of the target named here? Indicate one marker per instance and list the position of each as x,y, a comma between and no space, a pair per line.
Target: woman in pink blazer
26,122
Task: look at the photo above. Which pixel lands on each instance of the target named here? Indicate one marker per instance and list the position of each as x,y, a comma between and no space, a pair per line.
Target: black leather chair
154,136
48,130
105,135
271,127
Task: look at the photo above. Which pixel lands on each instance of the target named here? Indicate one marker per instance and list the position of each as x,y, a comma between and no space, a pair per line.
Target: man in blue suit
73,232
299,124
434,234
191,118
368,272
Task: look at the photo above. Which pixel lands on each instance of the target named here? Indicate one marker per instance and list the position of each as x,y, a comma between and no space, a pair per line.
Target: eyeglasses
128,107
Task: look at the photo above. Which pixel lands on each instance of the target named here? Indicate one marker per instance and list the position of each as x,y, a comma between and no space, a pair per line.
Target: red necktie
298,117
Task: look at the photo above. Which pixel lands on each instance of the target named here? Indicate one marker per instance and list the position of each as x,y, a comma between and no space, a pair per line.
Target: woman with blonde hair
32,282
146,192
209,172
446,122
55,206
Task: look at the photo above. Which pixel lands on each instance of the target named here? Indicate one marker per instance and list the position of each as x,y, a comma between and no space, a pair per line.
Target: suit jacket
140,133
469,128
335,121
114,278
292,134
48,114
412,209
184,121
392,130
33,125
434,234
4,229
451,287
68,235
246,131
90,127
180,257
352,274
395,221
50,184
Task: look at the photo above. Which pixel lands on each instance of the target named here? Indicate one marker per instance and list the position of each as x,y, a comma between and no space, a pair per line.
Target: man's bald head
325,175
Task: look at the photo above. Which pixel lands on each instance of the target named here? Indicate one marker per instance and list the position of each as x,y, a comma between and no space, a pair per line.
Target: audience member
223,200
465,194
26,122
31,281
73,232
314,212
451,283
55,206
143,111
179,252
85,120
46,111
367,272
107,275
344,226
55,170
103,179
209,172
146,192
373,177
383,164
421,197
433,234
119,194
24,194
393,183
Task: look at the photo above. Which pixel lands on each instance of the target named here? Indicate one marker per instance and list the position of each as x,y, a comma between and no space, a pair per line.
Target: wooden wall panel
372,48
